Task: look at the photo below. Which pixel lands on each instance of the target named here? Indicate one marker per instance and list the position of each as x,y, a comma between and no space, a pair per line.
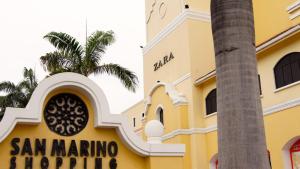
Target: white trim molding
176,97
186,14
293,7
266,112
205,78
282,106
295,15
278,38
32,114
259,49
191,131
182,79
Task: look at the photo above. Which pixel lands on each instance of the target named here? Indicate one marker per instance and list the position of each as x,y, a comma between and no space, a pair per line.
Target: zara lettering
163,61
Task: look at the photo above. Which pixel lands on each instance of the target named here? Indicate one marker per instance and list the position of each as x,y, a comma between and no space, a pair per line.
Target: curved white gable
32,114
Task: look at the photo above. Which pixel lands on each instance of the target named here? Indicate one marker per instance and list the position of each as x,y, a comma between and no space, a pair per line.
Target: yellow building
180,83
67,124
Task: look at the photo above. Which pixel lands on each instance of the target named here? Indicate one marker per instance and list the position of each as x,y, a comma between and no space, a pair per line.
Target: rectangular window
259,82
133,122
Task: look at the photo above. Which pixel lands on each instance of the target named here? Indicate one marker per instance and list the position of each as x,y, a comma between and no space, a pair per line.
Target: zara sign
163,61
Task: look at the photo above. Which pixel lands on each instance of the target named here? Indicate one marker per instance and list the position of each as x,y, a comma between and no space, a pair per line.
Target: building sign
163,61
30,149
67,125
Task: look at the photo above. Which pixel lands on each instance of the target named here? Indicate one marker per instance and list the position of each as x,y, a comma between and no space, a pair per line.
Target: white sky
23,23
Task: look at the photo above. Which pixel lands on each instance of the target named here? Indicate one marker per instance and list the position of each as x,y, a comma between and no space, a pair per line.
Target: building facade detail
188,35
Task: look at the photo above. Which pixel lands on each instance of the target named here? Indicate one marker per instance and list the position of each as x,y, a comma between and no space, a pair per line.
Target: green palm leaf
95,47
7,87
65,43
56,62
71,57
128,78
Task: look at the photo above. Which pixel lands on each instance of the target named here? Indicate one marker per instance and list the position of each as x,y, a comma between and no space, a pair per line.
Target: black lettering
59,162
73,149
98,163
92,148
40,146
16,149
166,60
160,64
27,147
44,163
28,162
101,148
84,148
72,163
155,66
84,163
112,149
13,164
113,164
58,148
171,56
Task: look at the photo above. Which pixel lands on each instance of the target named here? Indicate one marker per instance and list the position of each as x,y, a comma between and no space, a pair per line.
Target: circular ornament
66,114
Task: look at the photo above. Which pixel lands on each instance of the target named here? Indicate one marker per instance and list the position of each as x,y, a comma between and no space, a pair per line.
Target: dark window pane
287,70
211,102
279,78
287,74
161,116
259,84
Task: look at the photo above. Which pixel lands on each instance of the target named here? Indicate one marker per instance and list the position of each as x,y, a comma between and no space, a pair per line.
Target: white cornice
281,106
268,111
32,114
293,7
174,133
186,14
182,79
205,78
259,49
297,14
278,38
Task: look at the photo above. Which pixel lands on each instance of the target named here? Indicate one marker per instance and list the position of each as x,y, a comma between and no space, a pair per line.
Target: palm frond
128,78
65,43
96,46
55,62
29,78
7,87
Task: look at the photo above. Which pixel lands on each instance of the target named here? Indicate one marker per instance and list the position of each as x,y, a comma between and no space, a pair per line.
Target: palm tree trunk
241,137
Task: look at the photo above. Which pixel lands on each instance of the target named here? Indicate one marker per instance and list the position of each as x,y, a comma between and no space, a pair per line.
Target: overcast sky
25,22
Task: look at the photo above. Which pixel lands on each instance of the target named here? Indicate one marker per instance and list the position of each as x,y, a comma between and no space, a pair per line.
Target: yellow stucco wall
136,112
159,13
192,45
177,43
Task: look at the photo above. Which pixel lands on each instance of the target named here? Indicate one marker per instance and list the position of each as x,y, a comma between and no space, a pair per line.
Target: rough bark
241,136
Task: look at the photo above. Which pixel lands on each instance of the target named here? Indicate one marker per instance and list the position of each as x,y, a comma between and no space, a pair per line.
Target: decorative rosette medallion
66,114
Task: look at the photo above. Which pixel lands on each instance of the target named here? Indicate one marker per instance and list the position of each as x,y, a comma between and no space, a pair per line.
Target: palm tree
17,95
241,136
70,56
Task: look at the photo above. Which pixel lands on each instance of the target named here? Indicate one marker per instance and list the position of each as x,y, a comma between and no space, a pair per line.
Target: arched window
295,155
160,114
287,70
211,102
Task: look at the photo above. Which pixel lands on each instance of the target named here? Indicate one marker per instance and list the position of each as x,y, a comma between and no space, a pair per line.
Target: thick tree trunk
241,137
